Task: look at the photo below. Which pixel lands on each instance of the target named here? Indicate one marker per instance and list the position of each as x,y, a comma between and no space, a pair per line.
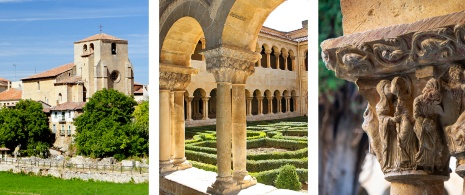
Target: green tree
25,124
140,136
105,127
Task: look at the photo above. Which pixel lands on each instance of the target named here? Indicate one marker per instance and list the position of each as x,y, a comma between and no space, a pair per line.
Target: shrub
288,178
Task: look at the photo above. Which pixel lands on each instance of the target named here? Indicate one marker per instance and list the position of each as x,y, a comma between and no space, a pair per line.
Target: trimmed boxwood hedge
302,153
264,165
268,177
201,149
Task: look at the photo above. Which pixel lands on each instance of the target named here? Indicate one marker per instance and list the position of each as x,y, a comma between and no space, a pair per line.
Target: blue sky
38,35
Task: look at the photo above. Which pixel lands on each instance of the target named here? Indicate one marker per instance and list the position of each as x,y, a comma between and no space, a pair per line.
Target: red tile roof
4,82
101,36
69,106
10,94
52,72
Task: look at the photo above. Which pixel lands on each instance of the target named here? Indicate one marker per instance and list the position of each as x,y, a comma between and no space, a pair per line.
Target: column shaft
165,131
205,108
239,135
223,129
270,105
288,104
189,108
260,106
268,60
279,105
249,106
179,127
171,111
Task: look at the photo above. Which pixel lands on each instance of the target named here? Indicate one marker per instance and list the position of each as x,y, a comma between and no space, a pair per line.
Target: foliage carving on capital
174,81
230,64
397,55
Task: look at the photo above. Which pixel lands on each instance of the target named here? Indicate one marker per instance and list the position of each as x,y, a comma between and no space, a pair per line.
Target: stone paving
199,180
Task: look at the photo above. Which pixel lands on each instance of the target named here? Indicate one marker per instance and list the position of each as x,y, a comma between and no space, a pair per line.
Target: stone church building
100,62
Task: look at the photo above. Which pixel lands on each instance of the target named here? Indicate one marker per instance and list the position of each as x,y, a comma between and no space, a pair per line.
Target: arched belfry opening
113,48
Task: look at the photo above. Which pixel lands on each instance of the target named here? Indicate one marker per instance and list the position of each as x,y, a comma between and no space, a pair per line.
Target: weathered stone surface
361,16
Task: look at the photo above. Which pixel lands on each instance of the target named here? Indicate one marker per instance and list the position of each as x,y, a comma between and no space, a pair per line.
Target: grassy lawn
35,185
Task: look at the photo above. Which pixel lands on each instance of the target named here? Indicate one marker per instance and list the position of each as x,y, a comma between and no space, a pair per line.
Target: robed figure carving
387,125
403,115
427,112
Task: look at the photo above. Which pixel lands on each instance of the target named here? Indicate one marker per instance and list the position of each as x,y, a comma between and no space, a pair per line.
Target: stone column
179,131
205,108
165,130
413,82
239,138
230,65
276,54
249,106
173,78
172,142
268,62
270,105
278,101
285,55
189,108
288,104
260,105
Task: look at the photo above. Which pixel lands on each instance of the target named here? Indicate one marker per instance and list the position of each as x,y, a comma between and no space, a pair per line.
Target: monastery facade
100,62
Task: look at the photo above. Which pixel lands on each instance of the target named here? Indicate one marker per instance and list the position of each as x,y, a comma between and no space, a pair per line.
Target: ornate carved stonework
230,64
174,81
401,54
175,77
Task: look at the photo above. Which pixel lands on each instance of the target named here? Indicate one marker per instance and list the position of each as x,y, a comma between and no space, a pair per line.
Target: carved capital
230,64
408,47
174,81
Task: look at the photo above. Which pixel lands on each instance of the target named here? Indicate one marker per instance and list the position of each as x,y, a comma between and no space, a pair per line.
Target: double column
231,66
173,81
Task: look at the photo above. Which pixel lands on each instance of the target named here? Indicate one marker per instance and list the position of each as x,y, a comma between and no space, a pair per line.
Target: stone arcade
413,78
229,32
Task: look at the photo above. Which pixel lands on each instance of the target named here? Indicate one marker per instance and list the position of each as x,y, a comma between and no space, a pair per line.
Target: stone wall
85,169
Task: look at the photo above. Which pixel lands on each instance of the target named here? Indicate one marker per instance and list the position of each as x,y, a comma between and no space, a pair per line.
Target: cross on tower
100,26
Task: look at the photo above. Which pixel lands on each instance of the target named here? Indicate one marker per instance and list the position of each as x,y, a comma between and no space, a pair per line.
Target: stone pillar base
416,182
182,164
228,185
166,167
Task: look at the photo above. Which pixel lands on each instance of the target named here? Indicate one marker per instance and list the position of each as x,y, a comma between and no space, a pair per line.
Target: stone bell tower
102,62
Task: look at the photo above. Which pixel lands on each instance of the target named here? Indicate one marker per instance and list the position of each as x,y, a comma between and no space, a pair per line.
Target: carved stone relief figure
453,94
427,109
403,116
387,125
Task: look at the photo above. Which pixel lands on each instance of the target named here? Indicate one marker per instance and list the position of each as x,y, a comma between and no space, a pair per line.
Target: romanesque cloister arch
290,61
231,30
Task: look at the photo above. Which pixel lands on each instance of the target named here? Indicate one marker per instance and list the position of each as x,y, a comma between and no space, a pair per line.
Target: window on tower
113,48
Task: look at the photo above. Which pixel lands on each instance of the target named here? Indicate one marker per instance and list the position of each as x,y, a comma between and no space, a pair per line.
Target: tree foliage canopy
105,128
329,26
25,124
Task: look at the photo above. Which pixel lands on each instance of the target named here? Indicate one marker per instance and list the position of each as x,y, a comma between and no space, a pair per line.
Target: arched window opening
91,47
212,104
263,60
113,49
84,92
60,98
306,61
281,62
196,55
84,48
273,59
289,63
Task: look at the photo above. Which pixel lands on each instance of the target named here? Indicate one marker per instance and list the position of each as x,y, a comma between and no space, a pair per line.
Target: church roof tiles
52,72
101,36
69,106
10,94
